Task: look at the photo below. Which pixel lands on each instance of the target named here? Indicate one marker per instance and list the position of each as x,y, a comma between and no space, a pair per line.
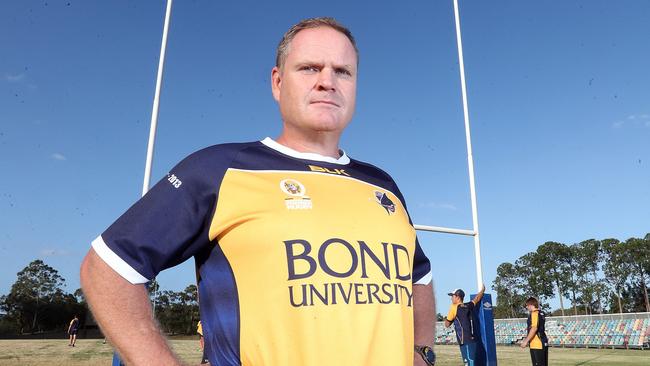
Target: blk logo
315,168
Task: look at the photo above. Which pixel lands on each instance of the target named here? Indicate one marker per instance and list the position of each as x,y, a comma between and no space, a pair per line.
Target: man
73,329
461,315
536,334
305,256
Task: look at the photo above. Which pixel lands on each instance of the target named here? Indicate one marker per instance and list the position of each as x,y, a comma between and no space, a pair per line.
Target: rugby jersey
461,315
537,319
302,259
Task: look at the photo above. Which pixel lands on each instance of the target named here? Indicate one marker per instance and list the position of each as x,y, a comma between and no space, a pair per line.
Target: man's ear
276,83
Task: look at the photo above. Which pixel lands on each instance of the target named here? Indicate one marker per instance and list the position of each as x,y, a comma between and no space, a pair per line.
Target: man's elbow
90,270
85,271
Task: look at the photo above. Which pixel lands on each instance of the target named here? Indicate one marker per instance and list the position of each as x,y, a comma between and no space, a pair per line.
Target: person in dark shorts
199,330
73,328
536,336
460,314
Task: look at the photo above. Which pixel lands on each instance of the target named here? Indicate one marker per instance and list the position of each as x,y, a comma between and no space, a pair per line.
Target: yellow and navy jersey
462,315
536,319
302,259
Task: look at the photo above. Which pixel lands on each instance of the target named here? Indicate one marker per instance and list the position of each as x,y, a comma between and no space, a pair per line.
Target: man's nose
326,80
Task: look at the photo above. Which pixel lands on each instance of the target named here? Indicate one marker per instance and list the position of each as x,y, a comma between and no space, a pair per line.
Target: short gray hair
283,47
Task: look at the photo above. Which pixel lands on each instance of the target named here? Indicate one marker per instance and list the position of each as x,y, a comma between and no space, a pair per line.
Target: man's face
316,87
455,299
530,308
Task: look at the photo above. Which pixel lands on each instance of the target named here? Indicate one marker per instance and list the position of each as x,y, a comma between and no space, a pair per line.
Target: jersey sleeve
534,318
166,226
451,314
421,265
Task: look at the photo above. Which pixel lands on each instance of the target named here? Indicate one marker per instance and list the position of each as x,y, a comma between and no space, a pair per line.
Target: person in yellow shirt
290,227
536,337
461,315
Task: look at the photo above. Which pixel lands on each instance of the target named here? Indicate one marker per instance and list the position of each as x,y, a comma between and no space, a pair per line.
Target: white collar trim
343,160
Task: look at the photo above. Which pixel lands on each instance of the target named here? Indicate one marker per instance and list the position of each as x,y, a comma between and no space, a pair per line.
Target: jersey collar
269,142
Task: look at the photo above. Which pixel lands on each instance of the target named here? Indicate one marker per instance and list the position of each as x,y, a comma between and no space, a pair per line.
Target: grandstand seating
615,331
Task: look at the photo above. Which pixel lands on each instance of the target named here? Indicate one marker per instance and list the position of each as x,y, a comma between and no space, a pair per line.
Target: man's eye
309,69
344,72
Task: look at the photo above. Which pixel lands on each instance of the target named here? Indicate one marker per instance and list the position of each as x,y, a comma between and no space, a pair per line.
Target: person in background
536,337
460,314
73,329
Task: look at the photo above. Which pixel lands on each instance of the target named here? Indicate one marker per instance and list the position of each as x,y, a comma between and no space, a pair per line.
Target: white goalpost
154,124
470,166
156,102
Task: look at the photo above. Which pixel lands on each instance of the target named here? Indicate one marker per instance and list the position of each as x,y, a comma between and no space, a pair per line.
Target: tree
533,281
79,296
37,287
617,268
639,250
177,312
588,255
190,301
508,286
554,266
632,298
574,279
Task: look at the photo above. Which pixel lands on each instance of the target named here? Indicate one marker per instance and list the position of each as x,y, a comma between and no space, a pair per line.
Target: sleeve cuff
116,263
425,280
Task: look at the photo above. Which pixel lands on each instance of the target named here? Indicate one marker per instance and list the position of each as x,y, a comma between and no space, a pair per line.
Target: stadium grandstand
629,330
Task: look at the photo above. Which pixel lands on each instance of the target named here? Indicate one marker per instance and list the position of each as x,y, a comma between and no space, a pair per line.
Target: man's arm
123,312
529,337
424,318
451,315
479,296
531,333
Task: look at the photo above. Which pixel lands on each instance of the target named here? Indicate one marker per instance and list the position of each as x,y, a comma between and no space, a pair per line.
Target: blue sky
558,96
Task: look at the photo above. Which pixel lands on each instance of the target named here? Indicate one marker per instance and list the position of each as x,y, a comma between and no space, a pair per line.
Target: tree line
37,303
595,276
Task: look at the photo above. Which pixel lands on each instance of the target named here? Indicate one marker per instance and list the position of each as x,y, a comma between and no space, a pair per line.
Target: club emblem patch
298,199
385,202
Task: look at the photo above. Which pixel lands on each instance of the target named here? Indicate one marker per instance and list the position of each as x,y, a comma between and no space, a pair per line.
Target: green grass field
94,353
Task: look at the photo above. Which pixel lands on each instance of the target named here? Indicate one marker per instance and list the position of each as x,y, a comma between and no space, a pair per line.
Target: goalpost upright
485,316
154,124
